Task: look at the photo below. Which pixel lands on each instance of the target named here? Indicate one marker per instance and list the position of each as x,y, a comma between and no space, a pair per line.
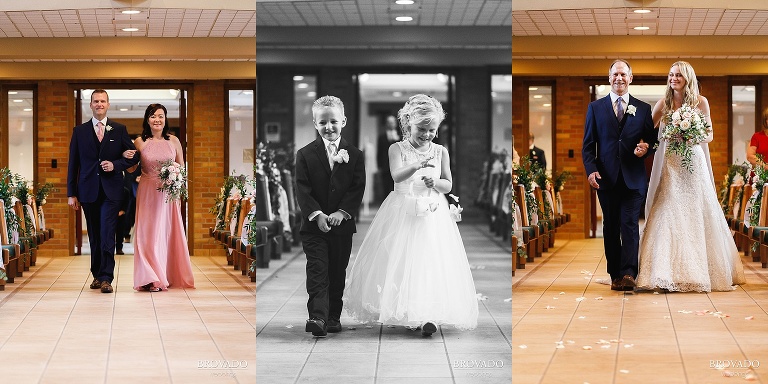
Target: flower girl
412,269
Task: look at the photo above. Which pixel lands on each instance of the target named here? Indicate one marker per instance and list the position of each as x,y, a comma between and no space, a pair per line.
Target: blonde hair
327,102
765,117
420,109
691,89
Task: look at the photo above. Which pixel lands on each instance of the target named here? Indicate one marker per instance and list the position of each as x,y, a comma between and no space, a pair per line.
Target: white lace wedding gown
412,269
686,244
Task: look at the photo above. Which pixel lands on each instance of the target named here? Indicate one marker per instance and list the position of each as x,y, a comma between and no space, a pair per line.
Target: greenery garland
526,172
725,187
7,190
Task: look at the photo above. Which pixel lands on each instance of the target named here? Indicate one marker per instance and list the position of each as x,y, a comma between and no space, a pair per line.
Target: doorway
127,106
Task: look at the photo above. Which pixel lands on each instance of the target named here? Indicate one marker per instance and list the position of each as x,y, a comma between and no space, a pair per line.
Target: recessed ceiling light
311,94
247,92
302,85
136,11
537,96
532,88
132,29
404,2
404,18
546,105
27,109
298,78
123,109
397,94
642,11
18,100
13,93
642,28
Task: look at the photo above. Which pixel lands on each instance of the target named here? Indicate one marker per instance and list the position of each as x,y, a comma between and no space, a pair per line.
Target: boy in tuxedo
330,181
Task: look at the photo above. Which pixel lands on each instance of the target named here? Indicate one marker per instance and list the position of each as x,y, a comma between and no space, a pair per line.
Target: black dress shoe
316,326
119,252
334,326
106,287
428,328
95,284
627,283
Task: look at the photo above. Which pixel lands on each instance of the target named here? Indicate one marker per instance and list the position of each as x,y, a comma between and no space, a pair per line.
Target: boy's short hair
327,102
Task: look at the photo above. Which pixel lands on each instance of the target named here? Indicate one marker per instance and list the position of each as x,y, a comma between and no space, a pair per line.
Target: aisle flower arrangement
724,194
173,180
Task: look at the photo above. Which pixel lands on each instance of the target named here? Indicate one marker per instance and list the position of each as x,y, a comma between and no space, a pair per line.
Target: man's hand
593,177
322,222
641,149
72,201
128,154
335,218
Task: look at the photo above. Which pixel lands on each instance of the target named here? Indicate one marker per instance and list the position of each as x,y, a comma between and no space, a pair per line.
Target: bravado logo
222,364
721,364
478,364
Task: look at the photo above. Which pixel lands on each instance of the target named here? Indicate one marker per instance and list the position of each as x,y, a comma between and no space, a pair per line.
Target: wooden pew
263,209
293,206
530,232
27,243
10,252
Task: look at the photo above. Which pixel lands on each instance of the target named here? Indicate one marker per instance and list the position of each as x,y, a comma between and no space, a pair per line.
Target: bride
686,244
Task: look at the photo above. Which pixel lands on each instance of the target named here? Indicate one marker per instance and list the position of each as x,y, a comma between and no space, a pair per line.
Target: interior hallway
57,330
380,354
569,328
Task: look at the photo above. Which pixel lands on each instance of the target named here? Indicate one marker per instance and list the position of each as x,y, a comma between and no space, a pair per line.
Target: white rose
687,115
685,124
676,116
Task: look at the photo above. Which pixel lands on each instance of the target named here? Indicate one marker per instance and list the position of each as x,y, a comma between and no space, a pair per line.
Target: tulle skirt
411,269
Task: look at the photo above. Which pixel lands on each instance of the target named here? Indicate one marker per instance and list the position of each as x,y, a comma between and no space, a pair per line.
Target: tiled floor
380,354
54,329
568,328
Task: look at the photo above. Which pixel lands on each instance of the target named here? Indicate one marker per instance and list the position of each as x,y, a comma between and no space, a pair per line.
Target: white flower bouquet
173,180
683,129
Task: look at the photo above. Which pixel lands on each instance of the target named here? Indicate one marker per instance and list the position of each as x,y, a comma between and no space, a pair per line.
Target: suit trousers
621,231
101,222
327,260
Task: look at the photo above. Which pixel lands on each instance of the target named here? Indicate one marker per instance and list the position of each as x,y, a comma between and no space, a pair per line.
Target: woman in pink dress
161,256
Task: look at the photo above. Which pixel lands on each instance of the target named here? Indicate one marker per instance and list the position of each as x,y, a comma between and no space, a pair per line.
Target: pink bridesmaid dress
161,256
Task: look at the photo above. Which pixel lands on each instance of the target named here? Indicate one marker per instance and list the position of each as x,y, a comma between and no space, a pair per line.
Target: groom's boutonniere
341,156
108,128
631,109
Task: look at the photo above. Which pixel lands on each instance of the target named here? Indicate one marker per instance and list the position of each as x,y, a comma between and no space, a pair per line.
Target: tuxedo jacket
84,173
536,154
609,144
319,188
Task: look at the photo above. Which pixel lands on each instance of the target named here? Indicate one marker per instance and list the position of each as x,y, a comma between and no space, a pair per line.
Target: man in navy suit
330,181
95,181
618,134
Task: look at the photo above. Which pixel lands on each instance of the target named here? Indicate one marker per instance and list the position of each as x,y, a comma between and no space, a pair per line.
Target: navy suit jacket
86,153
319,188
609,145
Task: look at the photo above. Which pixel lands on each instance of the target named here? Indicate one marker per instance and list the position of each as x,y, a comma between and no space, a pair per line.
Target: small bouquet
454,209
683,129
173,180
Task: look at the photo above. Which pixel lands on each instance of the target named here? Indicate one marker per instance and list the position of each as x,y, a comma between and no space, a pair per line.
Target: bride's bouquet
683,129
173,180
